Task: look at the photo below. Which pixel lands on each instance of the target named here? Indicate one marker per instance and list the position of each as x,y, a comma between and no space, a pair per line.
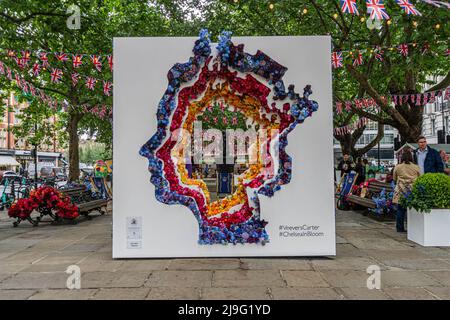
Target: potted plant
428,206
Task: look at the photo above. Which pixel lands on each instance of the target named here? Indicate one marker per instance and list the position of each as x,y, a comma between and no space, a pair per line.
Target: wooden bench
84,200
373,189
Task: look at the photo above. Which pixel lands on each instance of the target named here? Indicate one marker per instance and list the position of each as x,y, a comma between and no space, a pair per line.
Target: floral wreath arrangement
45,200
193,88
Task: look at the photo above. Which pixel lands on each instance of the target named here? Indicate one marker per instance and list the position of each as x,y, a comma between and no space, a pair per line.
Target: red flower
22,208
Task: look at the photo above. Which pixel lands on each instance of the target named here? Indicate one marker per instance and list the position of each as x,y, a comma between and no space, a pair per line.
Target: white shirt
421,155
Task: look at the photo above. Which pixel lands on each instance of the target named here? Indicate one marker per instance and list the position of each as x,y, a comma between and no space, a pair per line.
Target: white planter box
429,229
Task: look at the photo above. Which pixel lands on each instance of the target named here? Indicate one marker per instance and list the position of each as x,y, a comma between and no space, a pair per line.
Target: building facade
16,153
383,151
436,120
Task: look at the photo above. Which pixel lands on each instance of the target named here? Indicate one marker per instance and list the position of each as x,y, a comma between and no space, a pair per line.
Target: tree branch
31,16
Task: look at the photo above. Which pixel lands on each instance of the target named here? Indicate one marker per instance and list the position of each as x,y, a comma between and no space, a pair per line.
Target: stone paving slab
406,279
168,293
296,293
174,278
310,279
16,294
258,293
64,294
121,294
276,264
409,294
204,264
364,294
248,278
33,263
345,263
443,277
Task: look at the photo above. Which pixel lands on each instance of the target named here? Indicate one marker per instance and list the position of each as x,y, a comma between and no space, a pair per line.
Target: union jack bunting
376,9
9,73
425,98
394,98
75,77
32,90
56,75
43,57
359,103
96,62
408,7
77,60
2,68
358,60
18,80
445,4
26,56
349,6
447,94
437,4
447,52
110,62
25,86
418,99
348,105
107,88
36,69
336,60
403,49
338,107
90,83
20,62
379,53
432,2
61,56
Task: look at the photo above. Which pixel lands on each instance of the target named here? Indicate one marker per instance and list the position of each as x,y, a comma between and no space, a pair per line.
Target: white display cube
429,229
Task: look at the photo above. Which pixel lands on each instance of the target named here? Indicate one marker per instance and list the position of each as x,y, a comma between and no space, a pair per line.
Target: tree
42,25
394,75
36,126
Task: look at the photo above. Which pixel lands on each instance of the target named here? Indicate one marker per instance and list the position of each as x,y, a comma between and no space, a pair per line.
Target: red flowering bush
66,209
46,197
22,208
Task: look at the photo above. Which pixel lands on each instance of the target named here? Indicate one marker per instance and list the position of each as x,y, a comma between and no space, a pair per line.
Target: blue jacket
433,161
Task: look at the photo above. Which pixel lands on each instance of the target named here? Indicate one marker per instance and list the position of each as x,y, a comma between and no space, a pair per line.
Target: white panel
140,69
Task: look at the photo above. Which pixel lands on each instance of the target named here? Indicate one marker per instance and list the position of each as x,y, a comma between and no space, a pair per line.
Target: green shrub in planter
430,191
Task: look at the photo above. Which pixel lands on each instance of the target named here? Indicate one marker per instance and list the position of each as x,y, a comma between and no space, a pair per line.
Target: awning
8,161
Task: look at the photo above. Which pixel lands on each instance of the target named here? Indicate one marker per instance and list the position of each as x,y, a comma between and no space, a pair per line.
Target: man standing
346,165
428,159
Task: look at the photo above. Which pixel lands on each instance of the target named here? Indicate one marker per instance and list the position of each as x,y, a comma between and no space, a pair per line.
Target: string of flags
102,111
56,75
378,52
351,127
23,58
418,99
377,10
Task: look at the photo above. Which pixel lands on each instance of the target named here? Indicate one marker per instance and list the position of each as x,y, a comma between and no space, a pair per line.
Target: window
433,128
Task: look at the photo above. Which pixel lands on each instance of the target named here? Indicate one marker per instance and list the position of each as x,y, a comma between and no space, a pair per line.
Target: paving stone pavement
33,261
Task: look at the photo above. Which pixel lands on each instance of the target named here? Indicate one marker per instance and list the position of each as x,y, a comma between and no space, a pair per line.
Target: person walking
444,158
427,158
404,176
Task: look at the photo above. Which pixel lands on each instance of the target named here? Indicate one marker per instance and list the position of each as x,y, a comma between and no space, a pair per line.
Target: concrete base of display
429,229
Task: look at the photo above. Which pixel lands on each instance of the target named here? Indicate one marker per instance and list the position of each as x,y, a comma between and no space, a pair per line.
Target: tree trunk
74,157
